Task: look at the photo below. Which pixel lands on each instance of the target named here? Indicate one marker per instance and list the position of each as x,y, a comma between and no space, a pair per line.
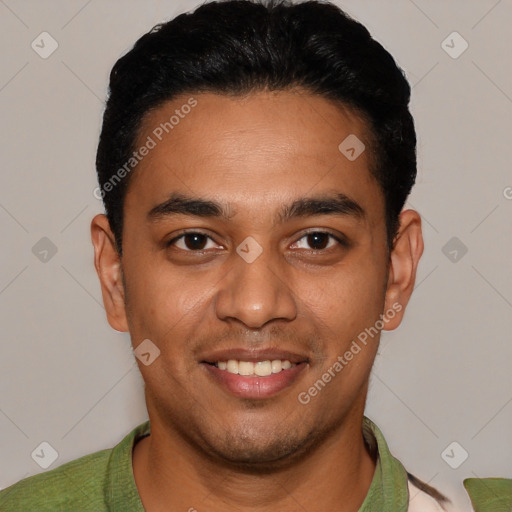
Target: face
251,243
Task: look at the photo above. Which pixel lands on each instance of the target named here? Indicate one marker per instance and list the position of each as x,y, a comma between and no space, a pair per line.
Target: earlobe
108,267
404,260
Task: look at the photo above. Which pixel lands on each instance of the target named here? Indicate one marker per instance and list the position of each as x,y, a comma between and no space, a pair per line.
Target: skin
209,449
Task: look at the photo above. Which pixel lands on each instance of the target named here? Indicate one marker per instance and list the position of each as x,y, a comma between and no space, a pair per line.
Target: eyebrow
327,204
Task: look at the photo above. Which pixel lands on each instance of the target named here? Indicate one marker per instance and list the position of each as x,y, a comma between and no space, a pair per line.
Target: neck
170,474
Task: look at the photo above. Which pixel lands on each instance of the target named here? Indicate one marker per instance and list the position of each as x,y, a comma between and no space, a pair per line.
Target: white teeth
245,368
263,368
277,366
232,366
259,368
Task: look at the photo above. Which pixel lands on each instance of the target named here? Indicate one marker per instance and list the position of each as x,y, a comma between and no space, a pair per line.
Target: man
254,162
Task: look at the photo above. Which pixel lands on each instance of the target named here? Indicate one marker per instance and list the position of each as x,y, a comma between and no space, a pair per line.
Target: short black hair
235,47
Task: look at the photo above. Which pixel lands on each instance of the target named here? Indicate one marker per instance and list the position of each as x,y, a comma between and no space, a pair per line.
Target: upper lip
242,354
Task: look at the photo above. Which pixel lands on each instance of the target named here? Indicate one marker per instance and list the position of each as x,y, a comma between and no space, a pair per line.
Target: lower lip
255,387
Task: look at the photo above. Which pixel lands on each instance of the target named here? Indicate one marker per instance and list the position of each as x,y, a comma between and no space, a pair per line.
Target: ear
404,259
108,267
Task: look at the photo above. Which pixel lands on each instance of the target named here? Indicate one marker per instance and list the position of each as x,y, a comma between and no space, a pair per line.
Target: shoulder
489,494
87,484
76,485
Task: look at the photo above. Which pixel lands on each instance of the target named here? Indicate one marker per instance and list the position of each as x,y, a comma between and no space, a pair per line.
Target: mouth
254,369
254,374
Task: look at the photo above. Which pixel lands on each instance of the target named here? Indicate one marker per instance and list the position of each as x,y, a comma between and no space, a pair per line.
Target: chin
261,451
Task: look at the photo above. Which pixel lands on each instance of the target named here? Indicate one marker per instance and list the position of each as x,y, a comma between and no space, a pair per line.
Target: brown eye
318,241
192,242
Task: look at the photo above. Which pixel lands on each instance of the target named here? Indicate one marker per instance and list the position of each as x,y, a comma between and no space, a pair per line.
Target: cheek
344,309
346,300
167,305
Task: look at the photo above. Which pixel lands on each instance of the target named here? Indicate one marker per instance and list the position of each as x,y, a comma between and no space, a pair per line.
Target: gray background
445,375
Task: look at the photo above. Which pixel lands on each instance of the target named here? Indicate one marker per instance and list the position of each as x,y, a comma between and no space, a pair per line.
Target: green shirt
104,481
490,494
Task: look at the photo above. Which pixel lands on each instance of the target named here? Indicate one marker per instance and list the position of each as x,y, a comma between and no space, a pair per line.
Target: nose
255,293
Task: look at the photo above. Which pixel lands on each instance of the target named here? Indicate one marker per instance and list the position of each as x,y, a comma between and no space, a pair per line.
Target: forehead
263,148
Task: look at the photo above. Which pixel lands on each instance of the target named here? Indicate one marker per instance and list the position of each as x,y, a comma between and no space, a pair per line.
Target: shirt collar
121,494
387,493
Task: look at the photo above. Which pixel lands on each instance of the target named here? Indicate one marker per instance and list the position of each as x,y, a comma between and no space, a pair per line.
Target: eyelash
340,239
